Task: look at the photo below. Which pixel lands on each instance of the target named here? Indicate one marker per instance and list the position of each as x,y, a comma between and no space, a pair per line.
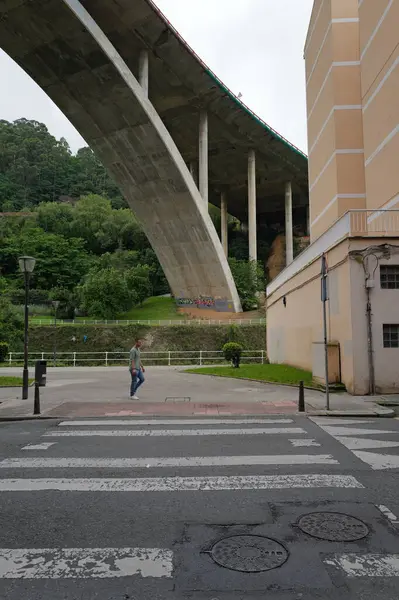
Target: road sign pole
324,298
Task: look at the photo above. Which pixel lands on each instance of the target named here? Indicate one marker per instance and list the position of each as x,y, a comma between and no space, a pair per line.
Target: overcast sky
254,46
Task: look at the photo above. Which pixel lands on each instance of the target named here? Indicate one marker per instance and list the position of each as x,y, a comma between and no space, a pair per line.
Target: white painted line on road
84,563
209,421
304,443
355,443
181,484
366,565
43,446
189,461
388,514
172,432
378,462
339,421
348,431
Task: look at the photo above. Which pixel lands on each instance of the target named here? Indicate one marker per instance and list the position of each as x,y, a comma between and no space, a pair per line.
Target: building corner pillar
252,236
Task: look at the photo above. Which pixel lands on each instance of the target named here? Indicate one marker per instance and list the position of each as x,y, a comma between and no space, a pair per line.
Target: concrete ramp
60,45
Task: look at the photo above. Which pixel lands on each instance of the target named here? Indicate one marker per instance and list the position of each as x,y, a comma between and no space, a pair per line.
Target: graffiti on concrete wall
206,302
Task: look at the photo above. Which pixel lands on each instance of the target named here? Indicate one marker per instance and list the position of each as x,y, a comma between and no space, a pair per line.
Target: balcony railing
371,223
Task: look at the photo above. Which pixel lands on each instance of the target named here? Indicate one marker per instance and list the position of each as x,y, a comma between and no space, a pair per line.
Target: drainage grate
334,527
249,553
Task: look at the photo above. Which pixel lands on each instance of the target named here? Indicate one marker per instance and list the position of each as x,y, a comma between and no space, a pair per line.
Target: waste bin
41,372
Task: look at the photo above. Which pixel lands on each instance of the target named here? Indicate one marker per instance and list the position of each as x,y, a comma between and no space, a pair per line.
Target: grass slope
271,373
155,308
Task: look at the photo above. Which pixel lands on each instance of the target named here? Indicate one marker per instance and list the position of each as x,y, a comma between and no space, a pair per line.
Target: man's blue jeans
137,381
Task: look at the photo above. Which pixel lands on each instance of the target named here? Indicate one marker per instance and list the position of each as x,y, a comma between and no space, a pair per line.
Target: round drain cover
249,553
334,527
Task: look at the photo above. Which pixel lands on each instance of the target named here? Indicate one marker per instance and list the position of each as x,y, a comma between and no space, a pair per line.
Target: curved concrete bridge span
67,53
172,135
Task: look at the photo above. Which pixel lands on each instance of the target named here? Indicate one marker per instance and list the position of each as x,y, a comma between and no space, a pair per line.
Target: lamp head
27,263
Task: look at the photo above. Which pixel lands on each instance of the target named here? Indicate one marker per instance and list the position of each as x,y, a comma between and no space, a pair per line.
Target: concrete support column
253,253
193,171
143,70
203,156
289,239
224,224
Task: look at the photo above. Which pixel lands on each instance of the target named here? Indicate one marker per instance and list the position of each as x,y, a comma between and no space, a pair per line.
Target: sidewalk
102,391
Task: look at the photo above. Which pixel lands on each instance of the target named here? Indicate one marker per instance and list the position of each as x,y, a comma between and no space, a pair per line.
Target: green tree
249,279
59,262
105,293
11,325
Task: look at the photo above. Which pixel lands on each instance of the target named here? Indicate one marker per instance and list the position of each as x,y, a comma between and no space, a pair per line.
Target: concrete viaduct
170,133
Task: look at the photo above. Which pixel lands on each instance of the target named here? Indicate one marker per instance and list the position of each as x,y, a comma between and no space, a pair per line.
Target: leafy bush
11,325
3,351
232,352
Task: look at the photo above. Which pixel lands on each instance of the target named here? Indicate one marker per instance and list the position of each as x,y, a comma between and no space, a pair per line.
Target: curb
30,418
387,414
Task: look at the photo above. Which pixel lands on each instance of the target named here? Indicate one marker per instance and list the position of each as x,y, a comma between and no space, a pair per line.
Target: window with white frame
389,277
391,336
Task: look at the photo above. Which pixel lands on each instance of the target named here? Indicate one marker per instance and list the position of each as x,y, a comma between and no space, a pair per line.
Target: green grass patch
271,373
6,381
157,308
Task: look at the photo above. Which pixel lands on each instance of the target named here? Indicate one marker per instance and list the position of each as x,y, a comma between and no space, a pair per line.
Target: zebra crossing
293,459
363,439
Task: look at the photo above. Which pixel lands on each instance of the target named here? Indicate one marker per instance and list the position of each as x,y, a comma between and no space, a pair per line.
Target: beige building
352,83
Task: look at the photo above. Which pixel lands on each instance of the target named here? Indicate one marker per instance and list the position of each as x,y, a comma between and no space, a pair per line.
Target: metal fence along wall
166,358
159,322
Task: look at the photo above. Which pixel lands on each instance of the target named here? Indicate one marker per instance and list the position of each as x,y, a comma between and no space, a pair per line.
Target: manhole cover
249,553
334,527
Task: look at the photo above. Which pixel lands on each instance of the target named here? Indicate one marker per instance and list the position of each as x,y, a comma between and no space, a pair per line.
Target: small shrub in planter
232,352
3,351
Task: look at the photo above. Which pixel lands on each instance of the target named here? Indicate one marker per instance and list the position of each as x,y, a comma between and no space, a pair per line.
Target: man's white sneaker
134,397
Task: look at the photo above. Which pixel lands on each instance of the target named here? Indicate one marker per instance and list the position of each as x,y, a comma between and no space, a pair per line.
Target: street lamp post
26,264
56,304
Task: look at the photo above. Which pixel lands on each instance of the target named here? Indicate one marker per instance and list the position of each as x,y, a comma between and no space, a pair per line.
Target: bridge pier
193,171
224,223
252,235
203,156
289,239
144,71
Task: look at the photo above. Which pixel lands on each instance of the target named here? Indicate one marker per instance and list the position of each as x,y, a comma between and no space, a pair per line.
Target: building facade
352,84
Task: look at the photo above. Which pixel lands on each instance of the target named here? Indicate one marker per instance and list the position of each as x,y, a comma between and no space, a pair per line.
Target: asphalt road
119,509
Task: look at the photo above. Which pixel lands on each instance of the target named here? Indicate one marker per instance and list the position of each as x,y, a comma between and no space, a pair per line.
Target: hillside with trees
92,254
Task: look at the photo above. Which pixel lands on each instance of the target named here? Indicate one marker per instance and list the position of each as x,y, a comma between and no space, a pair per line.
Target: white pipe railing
106,358
153,322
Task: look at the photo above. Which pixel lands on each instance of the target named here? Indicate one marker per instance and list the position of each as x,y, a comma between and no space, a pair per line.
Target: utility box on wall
334,362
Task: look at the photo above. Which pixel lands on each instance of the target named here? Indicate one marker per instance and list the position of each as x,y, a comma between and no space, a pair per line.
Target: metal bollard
301,399
36,403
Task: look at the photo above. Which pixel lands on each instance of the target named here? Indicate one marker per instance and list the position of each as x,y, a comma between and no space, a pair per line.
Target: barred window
389,277
391,336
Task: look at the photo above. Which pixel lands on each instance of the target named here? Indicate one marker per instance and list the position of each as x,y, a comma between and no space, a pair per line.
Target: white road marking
388,514
302,443
348,431
209,421
338,421
366,565
84,563
179,484
172,432
43,446
378,462
190,461
355,443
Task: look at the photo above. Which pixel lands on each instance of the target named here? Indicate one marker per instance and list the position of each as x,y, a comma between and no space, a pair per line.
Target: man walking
136,369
